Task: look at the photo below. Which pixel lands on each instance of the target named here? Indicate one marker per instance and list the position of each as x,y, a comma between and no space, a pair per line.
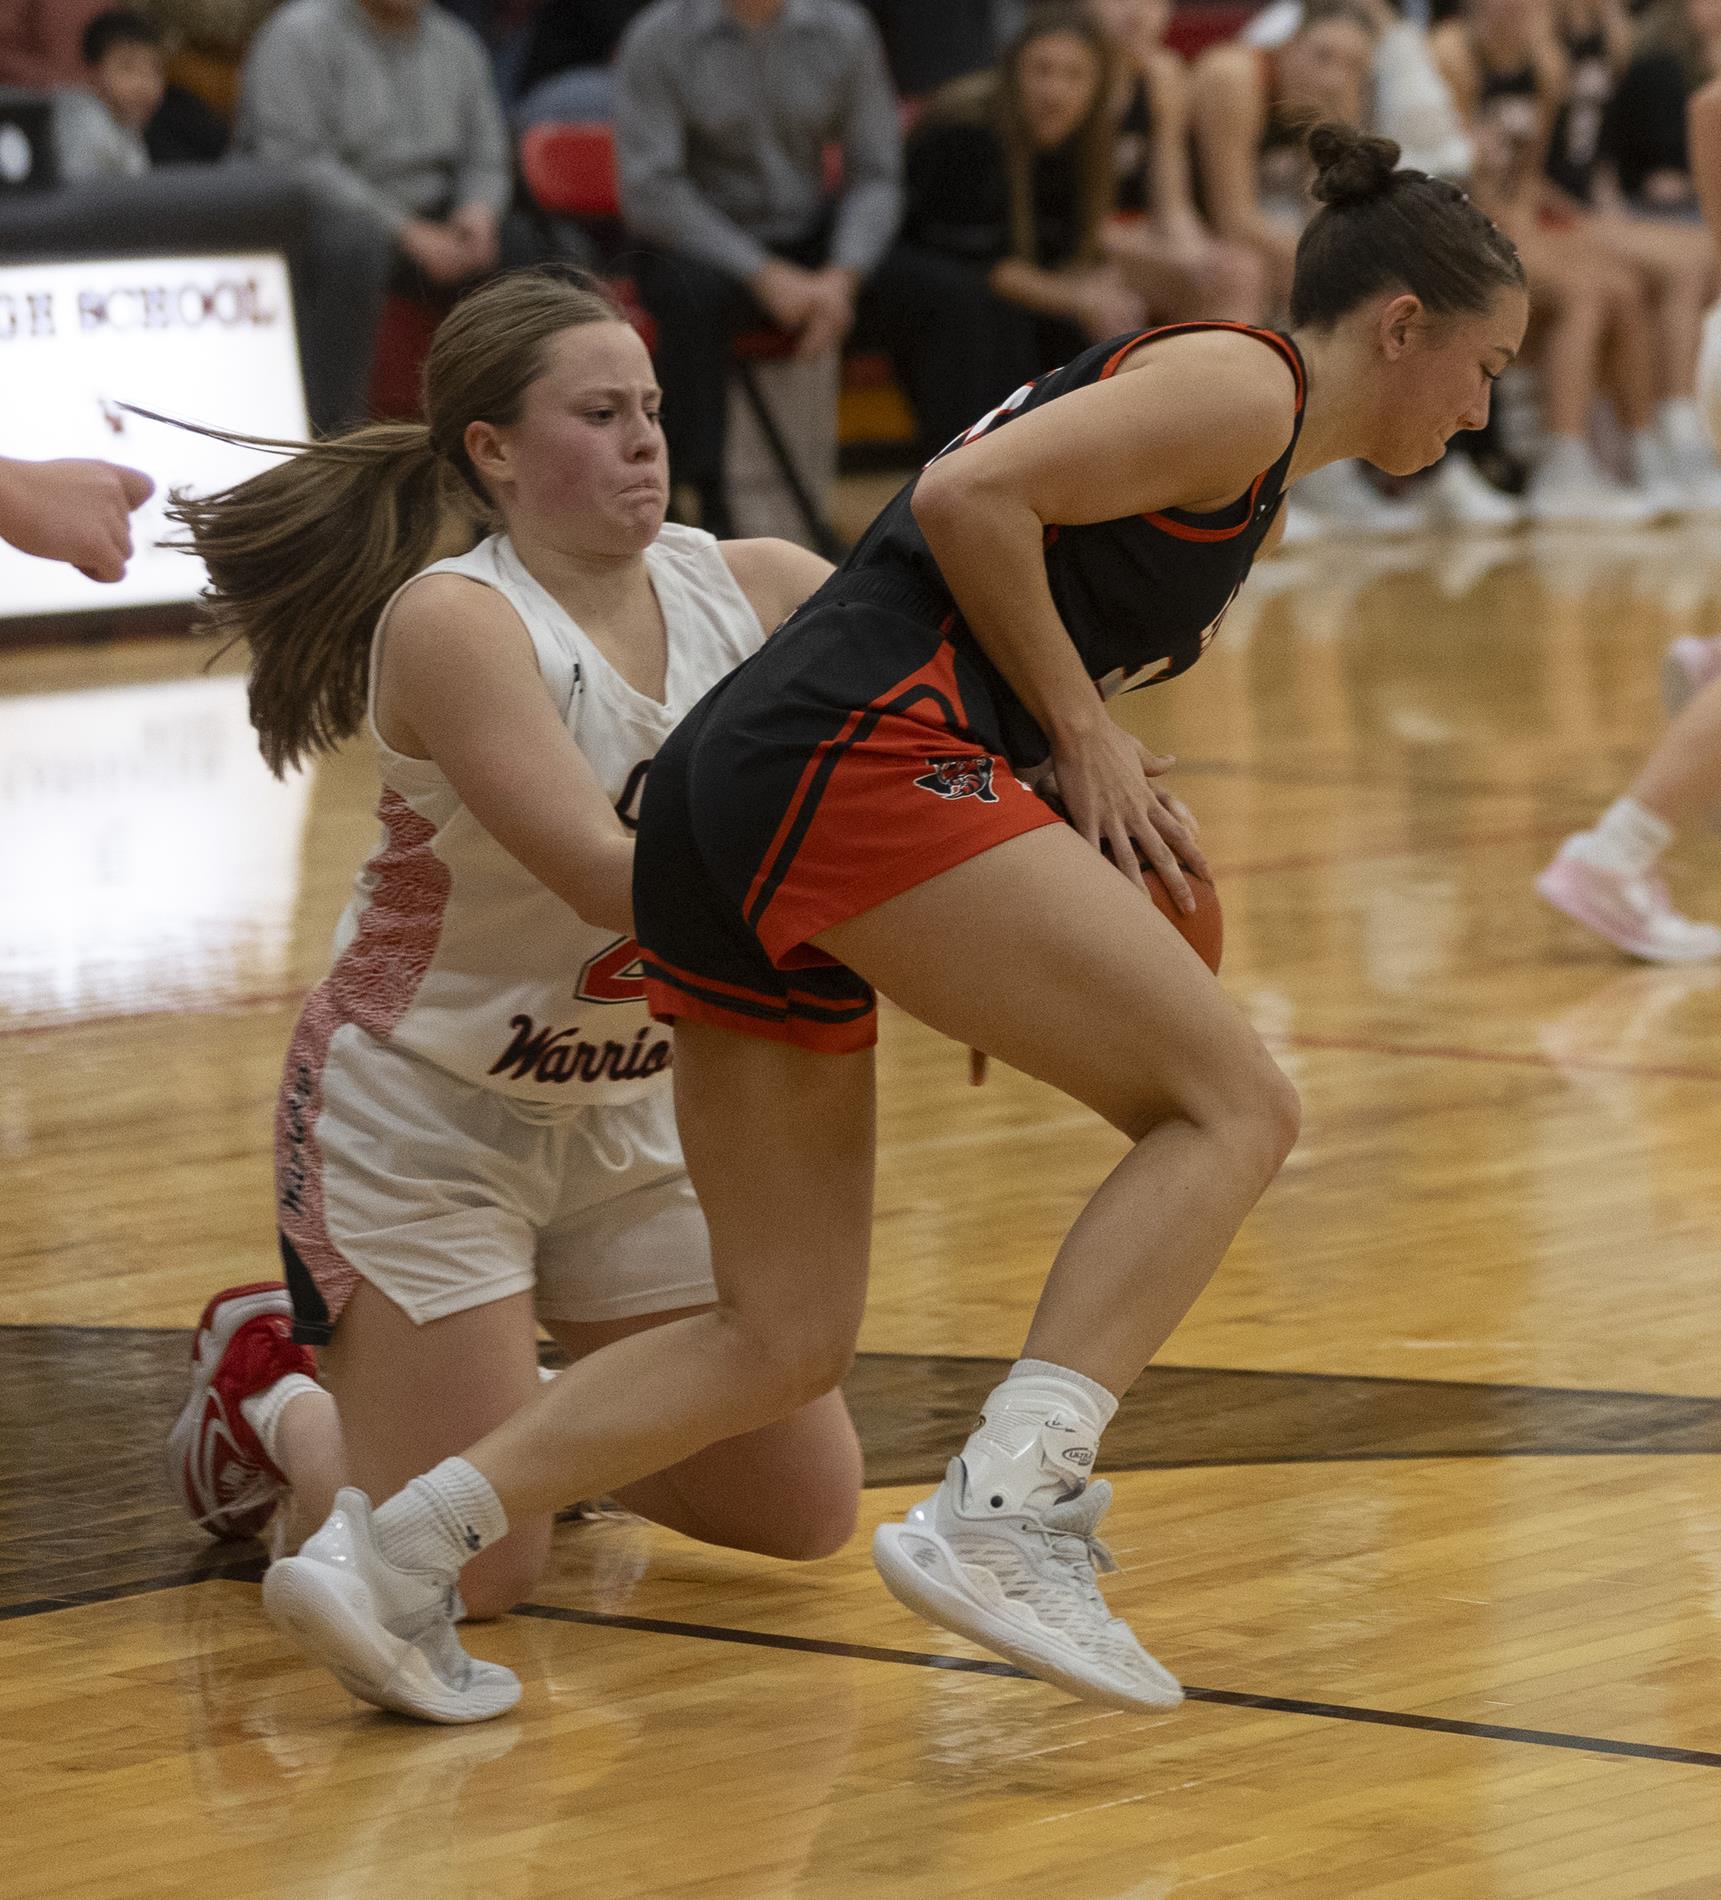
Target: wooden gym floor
1424,1502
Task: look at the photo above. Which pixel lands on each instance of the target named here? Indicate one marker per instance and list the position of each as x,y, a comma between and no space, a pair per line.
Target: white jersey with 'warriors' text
450,948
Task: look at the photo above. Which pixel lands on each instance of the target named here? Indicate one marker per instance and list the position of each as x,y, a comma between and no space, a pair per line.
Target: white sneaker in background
385,1634
1457,495
1688,665
1571,489
1660,477
1690,454
1635,914
1024,1586
1692,464
1348,503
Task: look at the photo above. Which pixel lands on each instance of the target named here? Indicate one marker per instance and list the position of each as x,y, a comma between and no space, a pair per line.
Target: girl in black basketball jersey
853,808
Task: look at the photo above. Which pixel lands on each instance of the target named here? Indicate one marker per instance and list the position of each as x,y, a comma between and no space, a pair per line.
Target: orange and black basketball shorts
856,755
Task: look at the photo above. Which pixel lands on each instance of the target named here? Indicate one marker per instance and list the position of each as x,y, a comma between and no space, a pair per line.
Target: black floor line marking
1226,1698
1408,1381
250,1570
247,1569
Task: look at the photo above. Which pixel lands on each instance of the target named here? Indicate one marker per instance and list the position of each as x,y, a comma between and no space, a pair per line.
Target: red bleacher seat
1195,28
571,170
403,334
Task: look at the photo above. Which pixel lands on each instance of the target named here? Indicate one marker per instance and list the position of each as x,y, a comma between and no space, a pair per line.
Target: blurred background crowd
893,213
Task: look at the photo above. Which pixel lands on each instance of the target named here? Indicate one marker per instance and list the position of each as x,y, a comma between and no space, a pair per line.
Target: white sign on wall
206,339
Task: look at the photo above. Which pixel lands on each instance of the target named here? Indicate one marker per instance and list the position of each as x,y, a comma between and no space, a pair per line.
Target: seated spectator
41,41
1252,106
1407,98
99,127
1596,38
1157,241
1646,136
1615,308
1013,174
1675,262
391,107
725,110
566,68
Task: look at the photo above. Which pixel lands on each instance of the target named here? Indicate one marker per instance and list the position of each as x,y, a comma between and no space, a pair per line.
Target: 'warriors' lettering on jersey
1141,595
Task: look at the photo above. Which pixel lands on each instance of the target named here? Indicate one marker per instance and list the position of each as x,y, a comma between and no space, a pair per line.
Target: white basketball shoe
1023,1585
385,1634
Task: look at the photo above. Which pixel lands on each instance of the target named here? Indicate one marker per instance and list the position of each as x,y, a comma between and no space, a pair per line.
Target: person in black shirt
854,806
1011,174
1646,136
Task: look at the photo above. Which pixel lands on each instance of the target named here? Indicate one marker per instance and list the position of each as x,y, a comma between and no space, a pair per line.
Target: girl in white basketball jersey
475,1134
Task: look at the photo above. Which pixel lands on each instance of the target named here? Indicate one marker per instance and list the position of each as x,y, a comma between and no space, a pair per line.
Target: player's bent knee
1261,1116
817,1527
1282,1109
798,1359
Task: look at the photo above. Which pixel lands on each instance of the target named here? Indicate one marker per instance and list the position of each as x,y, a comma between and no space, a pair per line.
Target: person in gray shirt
98,127
391,106
724,112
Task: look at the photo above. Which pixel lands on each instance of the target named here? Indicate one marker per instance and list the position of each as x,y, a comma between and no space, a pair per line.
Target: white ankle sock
1038,1435
263,1410
1628,838
440,1520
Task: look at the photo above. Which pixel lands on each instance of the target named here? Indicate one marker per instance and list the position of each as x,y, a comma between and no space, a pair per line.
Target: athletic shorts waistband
890,587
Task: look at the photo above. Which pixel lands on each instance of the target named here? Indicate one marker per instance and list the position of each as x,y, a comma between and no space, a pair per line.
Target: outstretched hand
73,511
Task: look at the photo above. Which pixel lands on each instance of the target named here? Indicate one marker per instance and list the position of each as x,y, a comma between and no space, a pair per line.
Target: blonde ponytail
303,557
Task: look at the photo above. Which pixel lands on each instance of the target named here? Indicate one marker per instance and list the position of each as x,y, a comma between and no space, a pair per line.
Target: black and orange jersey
1141,595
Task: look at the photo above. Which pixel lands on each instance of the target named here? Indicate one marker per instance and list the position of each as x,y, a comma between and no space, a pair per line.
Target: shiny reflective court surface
1424,1501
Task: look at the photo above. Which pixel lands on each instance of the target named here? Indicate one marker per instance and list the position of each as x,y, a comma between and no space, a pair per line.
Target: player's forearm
989,547
598,883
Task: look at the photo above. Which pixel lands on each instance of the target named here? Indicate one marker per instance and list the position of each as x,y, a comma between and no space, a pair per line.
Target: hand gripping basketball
1203,928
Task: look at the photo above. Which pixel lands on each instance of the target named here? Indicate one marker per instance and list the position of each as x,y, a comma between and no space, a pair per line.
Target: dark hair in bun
1382,226
1350,166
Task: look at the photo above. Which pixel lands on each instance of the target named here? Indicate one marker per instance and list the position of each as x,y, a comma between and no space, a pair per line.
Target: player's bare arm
459,684
776,576
1188,422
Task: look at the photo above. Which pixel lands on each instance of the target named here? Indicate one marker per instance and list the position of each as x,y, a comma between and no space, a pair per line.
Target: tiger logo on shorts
960,778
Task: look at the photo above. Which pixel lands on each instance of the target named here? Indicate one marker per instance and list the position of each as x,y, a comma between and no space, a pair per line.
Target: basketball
1203,928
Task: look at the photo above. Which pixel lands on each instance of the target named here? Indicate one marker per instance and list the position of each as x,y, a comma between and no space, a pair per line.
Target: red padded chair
570,170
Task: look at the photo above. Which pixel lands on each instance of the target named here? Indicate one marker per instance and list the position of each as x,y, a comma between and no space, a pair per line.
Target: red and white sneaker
243,1344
